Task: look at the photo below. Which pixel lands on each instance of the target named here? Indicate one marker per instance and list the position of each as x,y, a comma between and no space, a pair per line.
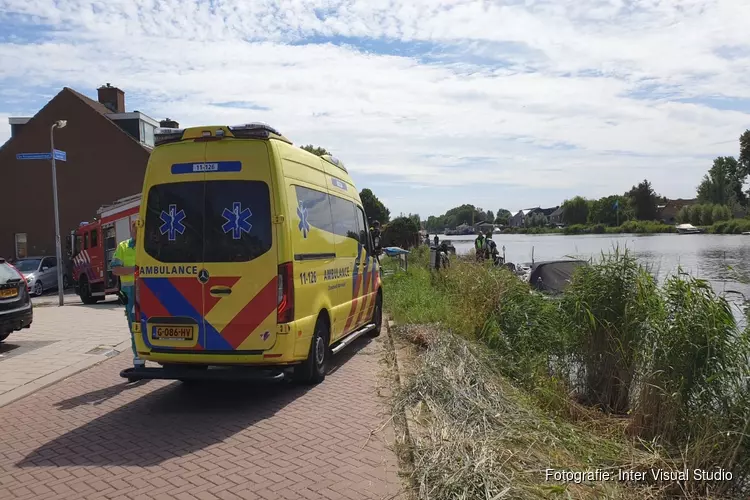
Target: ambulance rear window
238,221
208,221
174,222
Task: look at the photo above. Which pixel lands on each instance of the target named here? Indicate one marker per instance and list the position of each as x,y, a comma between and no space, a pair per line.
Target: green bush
695,375
608,309
575,229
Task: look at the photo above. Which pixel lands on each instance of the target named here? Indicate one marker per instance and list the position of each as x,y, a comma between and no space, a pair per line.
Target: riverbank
733,226
658,364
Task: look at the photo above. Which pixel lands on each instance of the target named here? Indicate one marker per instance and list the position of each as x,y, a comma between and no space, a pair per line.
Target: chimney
168,123
112,97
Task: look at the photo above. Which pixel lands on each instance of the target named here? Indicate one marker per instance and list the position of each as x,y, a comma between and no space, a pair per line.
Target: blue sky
430,103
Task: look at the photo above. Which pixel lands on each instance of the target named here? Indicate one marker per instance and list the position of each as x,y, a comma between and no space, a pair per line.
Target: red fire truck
94,244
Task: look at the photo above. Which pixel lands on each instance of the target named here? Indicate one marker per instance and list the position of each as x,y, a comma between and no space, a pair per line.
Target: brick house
668,213
107,151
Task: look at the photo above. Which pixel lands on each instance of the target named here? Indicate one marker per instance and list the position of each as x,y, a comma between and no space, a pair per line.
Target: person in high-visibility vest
492,252
480,245
123,266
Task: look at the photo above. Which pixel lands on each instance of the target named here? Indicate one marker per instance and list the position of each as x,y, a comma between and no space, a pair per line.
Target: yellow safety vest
125,257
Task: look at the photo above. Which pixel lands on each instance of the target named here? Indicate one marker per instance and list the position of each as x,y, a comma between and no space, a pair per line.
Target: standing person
492,251
437,240
480,245
375,232
123,266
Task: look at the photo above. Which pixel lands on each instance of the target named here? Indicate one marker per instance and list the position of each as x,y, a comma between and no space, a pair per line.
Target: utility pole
58,248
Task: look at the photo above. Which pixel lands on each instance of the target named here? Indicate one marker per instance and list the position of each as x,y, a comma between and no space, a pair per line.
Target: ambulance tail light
285,294
137,296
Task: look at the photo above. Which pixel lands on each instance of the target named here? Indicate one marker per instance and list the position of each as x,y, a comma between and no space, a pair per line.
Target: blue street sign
60,155
33,156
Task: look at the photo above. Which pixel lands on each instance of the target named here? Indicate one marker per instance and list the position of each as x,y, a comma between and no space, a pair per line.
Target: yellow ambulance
254,258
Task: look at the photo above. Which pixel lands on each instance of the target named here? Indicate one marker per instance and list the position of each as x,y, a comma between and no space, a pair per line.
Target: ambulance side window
315,208
344,218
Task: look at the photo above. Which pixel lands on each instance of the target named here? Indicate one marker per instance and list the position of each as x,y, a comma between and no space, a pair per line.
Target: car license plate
173,332
8,293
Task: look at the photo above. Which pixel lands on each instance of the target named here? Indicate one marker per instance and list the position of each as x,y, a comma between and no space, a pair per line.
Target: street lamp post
58,249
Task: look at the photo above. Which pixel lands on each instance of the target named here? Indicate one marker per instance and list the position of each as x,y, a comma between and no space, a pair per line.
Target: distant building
484,226
519,219
668,212
556,217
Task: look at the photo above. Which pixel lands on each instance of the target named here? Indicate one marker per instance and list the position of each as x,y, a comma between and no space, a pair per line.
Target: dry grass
479,438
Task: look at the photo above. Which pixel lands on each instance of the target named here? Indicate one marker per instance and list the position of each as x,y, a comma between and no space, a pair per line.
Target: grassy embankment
646,227
619,374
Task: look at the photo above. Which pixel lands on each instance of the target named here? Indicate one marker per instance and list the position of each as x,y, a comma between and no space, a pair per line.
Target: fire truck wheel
85,292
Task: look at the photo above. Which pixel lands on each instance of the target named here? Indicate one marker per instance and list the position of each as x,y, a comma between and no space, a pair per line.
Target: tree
696,215
536,220
401,232
684,215
435,224
576,211
374,208
503,216
416,219
723,183
316,151
643,200
490,216
610,210
745,150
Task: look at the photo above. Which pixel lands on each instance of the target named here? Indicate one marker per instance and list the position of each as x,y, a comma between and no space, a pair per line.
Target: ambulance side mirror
376,242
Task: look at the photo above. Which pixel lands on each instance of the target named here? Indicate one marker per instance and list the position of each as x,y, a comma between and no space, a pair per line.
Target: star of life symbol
172,222
304,225
237,220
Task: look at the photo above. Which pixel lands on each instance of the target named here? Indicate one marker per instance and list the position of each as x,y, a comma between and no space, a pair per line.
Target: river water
723,260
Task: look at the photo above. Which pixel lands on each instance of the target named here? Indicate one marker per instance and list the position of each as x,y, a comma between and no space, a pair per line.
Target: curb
58,376
401,420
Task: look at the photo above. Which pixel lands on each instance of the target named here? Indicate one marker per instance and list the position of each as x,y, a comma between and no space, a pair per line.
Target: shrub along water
671,358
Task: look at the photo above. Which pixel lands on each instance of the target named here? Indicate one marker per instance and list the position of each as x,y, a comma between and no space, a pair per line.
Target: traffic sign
33,156
60,155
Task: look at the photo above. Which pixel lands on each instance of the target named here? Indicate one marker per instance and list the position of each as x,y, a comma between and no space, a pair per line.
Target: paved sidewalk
60,342
92,436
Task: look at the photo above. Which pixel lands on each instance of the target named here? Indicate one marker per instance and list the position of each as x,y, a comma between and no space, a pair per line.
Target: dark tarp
553,276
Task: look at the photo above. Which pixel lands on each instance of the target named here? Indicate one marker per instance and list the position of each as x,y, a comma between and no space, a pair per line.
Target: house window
21,249
147,134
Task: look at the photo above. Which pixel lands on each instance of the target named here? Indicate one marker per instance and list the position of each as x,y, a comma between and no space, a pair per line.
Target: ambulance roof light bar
335,161
256,130
166,135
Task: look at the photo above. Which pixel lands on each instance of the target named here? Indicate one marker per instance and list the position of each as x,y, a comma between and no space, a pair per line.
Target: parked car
16,310
40,273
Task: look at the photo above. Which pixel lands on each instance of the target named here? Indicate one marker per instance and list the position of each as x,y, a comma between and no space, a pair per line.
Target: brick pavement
58,344
92,436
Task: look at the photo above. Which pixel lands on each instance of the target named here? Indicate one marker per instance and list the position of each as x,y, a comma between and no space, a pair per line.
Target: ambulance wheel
377,316
313,369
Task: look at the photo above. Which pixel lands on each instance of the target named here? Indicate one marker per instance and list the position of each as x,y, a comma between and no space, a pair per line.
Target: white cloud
536,94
